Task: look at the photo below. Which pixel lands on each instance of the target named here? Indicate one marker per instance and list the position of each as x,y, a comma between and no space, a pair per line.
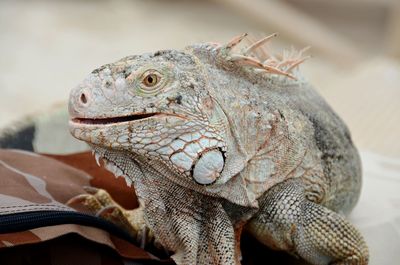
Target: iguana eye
150,80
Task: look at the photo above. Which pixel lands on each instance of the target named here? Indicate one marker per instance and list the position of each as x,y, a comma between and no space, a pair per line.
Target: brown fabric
32,182
101,178
14,239
65,250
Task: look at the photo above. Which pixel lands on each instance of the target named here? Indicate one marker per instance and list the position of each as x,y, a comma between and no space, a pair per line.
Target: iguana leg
100,203
288,221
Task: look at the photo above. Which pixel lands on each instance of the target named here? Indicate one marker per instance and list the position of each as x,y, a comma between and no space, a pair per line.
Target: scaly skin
216,140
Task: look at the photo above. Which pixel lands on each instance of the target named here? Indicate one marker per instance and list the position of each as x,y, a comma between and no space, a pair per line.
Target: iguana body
215,141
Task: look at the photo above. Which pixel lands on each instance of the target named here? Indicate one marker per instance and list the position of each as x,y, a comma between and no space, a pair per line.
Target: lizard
221,138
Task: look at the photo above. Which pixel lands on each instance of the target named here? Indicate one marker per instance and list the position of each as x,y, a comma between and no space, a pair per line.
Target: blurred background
47,47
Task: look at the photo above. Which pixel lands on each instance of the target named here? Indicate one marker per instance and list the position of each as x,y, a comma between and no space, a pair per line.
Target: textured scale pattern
285,208
220,138
336,237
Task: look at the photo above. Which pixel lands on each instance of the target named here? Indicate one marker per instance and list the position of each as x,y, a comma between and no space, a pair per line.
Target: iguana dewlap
215,139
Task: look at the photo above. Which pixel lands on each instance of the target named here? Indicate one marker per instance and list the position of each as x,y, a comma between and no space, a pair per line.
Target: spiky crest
257,56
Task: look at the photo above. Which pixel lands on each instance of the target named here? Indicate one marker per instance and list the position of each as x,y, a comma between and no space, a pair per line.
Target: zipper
24,221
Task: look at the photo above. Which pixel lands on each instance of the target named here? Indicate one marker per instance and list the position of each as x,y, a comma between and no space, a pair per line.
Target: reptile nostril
83,98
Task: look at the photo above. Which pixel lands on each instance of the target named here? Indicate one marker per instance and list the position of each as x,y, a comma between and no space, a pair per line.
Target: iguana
217,139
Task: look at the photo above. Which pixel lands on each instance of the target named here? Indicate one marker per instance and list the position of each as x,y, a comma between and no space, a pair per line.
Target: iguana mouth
113,119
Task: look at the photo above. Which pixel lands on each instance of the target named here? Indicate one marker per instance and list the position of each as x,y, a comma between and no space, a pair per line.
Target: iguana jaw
126,131
132,120
113,120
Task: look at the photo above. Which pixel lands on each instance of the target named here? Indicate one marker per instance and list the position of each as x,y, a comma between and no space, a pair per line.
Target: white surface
377,214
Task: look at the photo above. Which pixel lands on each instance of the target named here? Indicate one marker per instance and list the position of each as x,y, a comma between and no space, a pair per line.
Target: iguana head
155,105
161,106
